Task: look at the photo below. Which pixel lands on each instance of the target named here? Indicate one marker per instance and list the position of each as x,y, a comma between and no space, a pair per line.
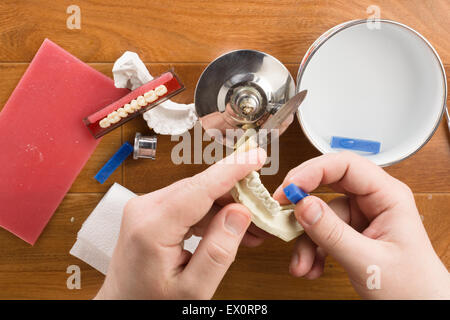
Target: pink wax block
43,142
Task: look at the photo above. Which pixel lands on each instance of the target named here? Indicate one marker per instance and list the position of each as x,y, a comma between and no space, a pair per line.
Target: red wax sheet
43,141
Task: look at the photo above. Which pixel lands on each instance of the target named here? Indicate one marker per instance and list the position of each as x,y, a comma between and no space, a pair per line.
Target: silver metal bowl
240,89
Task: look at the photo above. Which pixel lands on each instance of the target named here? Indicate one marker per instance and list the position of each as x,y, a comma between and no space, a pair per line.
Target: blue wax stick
355,144
294,193
125,150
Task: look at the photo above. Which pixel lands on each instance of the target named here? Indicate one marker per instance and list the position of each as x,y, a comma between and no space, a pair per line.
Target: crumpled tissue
168,117
98,235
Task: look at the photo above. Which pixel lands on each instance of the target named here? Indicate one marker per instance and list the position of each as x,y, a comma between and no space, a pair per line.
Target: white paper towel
168,117
98,235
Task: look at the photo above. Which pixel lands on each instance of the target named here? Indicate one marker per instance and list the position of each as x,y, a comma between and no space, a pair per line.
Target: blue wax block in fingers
125,150
355,144
294,193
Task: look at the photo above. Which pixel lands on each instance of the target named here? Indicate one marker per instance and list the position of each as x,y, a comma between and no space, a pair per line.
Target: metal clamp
144,146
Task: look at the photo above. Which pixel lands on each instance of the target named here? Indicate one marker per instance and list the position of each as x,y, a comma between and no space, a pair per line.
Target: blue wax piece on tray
355,144
125,150
294,193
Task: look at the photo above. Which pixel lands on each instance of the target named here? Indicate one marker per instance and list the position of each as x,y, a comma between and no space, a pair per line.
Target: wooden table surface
187,35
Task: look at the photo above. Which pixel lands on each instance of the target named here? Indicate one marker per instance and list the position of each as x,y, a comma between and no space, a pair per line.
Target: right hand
149,261
375,224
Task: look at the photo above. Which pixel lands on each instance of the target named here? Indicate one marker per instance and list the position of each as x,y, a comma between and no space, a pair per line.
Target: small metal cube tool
144,146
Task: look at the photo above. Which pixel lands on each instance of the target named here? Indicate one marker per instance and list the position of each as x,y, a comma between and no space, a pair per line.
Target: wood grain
186,35
198,31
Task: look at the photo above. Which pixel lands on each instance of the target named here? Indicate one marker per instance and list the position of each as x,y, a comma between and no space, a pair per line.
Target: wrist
106,292
100,294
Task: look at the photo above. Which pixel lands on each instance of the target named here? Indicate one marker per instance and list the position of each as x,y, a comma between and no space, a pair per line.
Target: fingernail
236,222
261,154
256,157
312,213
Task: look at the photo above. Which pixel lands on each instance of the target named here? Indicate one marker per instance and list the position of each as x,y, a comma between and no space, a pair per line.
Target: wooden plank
188,34
39,272
193,31
258,273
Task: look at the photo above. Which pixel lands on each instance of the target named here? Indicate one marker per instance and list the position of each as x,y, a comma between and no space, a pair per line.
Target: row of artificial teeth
133,106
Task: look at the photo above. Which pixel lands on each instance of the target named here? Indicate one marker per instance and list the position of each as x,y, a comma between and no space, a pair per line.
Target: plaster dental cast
376,223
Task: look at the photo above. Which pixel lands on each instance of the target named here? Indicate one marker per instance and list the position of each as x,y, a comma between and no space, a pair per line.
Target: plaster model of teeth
168,117
267,213
171,118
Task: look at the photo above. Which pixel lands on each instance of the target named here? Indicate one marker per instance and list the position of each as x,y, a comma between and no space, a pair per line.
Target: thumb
329,232
217,250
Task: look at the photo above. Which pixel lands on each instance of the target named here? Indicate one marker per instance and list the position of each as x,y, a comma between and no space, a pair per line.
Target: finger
378,191
251,240
346,209
279,194
355,173
216,250
303,257
225,199
255,236
200,227
341,207
182,261
329,232
305,246
260,233
318,266
187,201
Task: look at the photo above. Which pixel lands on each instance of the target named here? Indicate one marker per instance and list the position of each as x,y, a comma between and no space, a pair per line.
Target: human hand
149,261
375,224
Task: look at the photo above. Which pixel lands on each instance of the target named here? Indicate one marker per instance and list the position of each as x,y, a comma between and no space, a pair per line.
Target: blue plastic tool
125,150
294,193
355,144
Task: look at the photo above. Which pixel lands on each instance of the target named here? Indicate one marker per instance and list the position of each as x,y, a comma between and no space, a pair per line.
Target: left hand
149,261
